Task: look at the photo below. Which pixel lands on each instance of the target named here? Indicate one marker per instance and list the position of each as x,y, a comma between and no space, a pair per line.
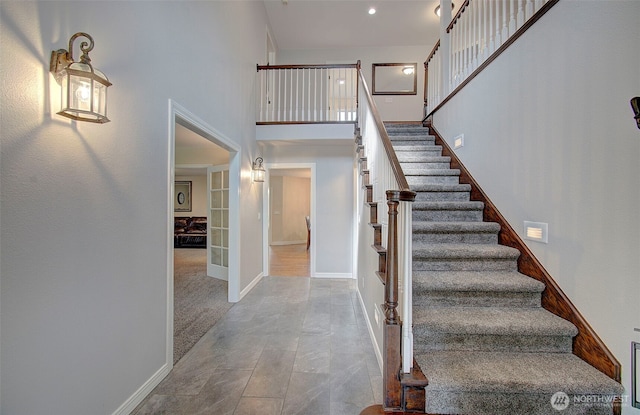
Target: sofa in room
190,232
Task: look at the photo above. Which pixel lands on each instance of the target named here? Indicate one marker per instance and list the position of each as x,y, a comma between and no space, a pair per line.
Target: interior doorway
289,210
194,147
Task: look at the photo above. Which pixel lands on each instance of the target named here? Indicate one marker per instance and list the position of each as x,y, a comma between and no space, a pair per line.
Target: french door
218,222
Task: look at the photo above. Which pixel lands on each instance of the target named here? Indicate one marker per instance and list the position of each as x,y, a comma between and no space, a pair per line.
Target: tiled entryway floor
291,346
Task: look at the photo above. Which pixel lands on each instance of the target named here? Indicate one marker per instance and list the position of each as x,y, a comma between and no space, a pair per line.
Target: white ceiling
329,24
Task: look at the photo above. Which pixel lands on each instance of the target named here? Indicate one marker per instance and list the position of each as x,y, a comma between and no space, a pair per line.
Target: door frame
179,114
266,213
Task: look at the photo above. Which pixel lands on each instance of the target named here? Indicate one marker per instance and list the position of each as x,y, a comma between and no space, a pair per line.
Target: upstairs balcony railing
298,94
477,34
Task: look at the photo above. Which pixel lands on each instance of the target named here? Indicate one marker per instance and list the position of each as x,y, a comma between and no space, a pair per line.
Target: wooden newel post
393,325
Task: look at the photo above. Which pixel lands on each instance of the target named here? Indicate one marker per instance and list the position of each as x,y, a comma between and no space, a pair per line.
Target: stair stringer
587,345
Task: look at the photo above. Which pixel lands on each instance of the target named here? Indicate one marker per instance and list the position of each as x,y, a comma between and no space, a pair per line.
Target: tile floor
291,346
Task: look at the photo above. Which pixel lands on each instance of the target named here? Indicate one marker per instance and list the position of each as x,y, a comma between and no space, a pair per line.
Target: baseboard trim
282,243
252,284
134,400
337,275
376,347
587,345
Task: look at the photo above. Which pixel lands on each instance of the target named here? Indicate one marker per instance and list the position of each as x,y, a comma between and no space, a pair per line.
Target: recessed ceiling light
372,10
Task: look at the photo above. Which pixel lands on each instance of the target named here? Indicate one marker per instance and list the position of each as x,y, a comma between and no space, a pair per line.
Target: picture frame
635,375
182,196
394,78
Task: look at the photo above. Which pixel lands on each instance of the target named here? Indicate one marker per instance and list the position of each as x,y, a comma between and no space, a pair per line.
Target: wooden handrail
537,15
312,66
457,16
386,142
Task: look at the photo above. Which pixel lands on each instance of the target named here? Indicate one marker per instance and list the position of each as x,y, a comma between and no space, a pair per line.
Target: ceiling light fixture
84,89
437,10
372,10
407,70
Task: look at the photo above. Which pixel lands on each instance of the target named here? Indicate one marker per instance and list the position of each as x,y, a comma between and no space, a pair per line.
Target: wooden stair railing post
392,325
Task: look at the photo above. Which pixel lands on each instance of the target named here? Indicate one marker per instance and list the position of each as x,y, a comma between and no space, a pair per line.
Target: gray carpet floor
199,301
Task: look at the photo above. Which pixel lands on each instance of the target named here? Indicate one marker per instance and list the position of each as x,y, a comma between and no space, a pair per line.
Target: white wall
391,107
333,232
84,207
550,136
290,199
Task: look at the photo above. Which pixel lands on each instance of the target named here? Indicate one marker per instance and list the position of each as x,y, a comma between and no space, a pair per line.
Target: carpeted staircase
480,334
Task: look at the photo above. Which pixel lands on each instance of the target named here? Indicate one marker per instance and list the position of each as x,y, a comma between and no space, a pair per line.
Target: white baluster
492,44
539,4
485,25
496,18
520,17
528,10
505,28
512,18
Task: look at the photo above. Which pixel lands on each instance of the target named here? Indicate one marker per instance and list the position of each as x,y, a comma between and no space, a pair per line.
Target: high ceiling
331,24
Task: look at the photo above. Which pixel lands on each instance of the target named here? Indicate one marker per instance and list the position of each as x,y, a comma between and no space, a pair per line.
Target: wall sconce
84,89
258,172
635,106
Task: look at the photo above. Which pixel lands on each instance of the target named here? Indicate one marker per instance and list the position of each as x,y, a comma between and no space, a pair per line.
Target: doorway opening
289,229
197,296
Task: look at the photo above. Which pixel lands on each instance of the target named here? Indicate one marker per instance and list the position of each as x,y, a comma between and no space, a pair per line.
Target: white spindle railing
307,93
385,176
477,32
433,73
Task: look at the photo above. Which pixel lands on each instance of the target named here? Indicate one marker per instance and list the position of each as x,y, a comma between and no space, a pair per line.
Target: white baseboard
345,275
134,400
376,347
301,242
249,287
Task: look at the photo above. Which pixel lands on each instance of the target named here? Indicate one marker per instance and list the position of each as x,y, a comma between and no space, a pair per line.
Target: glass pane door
218,222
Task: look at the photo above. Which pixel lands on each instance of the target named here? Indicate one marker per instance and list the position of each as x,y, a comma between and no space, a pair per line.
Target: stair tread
462,187
431,172
454,227
450,205
454,251
491,321
493,372
502,281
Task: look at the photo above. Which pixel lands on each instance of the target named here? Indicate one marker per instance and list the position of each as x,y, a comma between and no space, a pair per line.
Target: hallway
291,346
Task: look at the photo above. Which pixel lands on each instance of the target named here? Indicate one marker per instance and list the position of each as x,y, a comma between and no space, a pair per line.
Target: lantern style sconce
84,88
258,172
635,107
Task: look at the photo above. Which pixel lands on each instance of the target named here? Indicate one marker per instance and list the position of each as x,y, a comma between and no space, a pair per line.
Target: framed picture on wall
182,201
635,375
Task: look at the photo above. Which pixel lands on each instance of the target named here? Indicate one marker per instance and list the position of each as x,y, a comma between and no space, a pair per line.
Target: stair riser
398,142
426,340
418,151
447,215
454,238
424,165
442,196
474,299
434,264
455,402
414,180
413,157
